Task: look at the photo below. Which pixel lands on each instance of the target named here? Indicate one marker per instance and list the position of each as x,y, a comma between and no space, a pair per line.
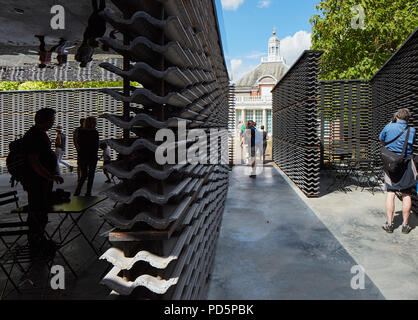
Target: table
76,206
343,167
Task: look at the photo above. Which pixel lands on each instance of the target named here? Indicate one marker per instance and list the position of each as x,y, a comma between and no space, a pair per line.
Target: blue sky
248,24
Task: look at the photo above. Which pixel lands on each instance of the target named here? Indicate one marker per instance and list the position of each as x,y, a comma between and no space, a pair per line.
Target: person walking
253,133
88,144
399,138
265,138
106,160
75,142
60,143
40,174
247,143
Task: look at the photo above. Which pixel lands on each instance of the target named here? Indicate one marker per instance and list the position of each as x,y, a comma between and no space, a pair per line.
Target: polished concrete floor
273,246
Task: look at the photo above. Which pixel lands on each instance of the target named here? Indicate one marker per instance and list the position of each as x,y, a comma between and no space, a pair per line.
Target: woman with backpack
397,139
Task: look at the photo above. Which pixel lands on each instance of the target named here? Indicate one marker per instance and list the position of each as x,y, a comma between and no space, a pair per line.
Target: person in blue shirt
403,181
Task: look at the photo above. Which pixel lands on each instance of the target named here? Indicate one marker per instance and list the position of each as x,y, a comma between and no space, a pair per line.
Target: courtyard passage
273,246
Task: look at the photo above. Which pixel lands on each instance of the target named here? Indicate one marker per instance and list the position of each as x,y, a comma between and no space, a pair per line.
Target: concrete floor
355,219
273,246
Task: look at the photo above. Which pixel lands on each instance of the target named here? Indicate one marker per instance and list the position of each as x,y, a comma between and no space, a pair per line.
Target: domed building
253,99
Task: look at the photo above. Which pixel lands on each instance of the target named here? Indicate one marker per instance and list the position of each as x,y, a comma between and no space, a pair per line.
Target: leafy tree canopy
358,53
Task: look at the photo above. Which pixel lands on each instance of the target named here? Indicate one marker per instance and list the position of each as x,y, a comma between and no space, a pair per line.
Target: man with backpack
400,171
40,174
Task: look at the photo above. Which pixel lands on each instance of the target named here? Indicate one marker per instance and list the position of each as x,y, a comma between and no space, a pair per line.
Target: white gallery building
253,99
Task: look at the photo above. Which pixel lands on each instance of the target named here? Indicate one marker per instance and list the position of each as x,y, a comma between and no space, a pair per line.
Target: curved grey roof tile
142,119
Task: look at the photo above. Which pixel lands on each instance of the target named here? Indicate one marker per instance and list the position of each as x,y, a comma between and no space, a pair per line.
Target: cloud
238,69
231,4
235,64
291,47
255,55
263,4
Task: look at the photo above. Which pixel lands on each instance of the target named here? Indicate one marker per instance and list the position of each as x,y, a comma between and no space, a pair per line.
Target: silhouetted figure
88,144
39,177
75,141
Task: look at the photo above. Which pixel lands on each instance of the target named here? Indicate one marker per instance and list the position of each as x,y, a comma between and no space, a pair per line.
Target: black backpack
16,161
393,162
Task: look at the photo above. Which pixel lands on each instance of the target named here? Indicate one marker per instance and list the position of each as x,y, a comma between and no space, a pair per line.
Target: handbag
393,162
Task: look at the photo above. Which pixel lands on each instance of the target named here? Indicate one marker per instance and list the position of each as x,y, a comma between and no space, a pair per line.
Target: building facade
253,99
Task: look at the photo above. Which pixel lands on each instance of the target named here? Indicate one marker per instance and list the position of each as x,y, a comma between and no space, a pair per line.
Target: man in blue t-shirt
405,181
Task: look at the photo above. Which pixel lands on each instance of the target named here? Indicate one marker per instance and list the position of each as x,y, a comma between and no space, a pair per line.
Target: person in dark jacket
404,180
88,147
75,142
41,173
265,138
253,131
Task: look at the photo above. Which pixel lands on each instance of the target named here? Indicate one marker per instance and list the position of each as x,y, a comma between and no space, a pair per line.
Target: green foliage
352,53
9,85
42,85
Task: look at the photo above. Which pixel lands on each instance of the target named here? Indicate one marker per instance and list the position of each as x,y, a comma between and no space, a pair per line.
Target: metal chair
102,211
17,252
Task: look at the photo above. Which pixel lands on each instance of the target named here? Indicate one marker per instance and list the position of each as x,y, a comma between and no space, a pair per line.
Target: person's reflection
62,52
96,28
45,55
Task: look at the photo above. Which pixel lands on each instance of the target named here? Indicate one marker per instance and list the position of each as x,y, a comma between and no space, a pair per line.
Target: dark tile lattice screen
345,119
349,116
395,86
17,112
168,216
231,123
68,72
296,148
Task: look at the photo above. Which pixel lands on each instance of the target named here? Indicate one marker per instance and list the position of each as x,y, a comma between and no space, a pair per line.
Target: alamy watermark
58,19
203,146
58,279
194,146
358,280
357,21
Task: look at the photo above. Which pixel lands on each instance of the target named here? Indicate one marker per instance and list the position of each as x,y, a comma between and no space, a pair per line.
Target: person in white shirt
107,158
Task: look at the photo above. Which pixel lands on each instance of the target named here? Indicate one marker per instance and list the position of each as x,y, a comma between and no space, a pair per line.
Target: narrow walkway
272,246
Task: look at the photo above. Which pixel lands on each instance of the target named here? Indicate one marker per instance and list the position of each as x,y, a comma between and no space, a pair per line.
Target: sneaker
253,176
388,227
406,229
108,181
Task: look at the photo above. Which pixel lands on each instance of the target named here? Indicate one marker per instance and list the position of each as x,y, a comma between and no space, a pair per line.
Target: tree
355,52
